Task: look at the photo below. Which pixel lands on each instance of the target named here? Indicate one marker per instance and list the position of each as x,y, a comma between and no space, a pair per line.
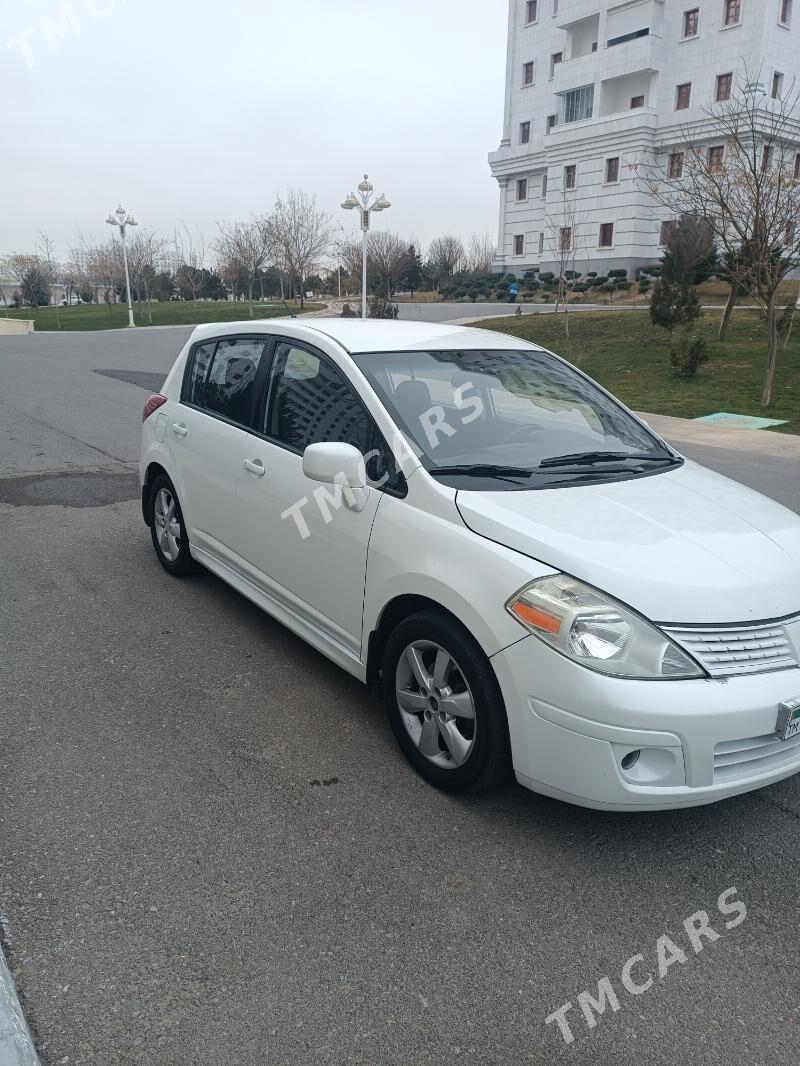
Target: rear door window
230,383
195,383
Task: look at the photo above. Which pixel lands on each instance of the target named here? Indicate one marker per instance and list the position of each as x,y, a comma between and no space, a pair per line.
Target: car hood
686,546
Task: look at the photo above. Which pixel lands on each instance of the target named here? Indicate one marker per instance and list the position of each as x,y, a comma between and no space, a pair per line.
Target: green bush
581,287
548,277
618,273
596,281
687,352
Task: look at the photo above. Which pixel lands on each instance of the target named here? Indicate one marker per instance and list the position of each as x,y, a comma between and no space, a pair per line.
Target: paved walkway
16,1045
756,442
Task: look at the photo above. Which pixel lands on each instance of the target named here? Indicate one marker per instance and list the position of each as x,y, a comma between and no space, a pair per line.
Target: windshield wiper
593,458
480,470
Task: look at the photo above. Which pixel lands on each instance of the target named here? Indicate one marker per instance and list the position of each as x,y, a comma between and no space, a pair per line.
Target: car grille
756,755
754,650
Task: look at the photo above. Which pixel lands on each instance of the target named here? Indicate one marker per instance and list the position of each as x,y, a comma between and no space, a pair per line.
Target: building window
528,73
683,94
777,85
732,12
519,244
522,190
524,133
551,121
612,170
531,11
691,22
797,167
555,59
634,35
637,101
791,233
544,186
577,104
570,173
675,167
786,13
565,239
715,157
667,230
724,83
766,157
606,234
541,244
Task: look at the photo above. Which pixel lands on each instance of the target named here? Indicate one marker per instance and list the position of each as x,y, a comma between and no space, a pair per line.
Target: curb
16,1044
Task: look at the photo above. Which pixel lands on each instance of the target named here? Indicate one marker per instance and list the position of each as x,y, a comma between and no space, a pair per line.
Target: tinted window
194,387
230,384
310,402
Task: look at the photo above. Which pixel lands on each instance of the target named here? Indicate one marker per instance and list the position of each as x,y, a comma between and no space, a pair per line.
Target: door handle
179,429
254,466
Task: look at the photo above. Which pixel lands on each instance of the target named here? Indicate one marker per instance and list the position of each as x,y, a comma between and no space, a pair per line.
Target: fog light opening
631,759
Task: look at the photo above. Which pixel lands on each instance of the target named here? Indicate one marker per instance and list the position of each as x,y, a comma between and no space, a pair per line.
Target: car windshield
510,420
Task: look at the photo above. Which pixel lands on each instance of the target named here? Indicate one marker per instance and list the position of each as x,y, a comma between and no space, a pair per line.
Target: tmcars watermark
434,425
636,976
64,22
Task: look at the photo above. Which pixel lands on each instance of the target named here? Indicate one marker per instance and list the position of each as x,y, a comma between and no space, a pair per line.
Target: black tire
183,564
488,763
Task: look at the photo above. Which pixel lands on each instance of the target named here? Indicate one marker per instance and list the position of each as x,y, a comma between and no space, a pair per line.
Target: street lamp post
122,220
366,205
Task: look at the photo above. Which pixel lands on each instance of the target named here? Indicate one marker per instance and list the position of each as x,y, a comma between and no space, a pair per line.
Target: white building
595,86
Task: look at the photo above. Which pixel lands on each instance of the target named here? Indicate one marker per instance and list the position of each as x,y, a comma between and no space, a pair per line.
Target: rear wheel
444,704
167,529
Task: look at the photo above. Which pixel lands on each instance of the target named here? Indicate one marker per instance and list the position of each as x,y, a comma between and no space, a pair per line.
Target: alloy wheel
167,525
436,704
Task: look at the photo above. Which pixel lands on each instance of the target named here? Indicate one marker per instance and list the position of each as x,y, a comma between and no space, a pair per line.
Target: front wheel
444,704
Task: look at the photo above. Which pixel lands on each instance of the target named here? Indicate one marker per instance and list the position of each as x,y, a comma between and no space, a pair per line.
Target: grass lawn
173,313
630,357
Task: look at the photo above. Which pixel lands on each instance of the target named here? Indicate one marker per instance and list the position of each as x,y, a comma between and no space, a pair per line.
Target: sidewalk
16,1046
756,442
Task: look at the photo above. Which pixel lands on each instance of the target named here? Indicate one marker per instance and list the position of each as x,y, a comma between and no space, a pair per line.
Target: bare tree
741,180
568,237
387,261
190,252
244,248
481,254
446,257
302,233
145,252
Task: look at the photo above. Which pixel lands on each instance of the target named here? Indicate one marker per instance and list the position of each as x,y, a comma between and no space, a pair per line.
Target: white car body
712,563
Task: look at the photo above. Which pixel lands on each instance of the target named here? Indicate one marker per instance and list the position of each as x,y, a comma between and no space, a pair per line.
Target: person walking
513,292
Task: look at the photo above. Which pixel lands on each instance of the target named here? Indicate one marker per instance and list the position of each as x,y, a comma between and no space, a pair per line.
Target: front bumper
701,741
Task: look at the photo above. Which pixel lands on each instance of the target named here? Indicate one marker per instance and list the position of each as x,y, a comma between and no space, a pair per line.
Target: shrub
618,273
581,287
548,277
592,274
687,353
598,281
572,275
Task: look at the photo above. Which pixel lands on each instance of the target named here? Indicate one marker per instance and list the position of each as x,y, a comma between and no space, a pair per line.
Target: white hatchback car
531,575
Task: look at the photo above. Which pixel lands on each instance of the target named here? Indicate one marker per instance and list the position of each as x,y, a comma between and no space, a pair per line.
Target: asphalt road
212,851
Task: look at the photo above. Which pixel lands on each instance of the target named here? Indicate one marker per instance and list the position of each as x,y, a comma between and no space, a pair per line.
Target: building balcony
570,11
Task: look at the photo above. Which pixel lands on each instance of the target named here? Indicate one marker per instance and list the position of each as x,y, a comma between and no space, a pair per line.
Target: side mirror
338,464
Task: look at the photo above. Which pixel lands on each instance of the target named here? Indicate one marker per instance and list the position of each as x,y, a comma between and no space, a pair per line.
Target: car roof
373,335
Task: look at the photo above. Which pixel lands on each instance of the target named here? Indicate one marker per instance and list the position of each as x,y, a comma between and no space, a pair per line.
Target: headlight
597,631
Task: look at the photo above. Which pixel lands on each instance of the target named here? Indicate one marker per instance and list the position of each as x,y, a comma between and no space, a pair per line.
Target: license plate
788,720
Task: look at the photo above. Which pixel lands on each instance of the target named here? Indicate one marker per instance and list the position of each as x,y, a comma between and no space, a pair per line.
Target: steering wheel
526,430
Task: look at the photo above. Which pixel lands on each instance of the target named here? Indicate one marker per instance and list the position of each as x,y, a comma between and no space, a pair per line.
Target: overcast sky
204,110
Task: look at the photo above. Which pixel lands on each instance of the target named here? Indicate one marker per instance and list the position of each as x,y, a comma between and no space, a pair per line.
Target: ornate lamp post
122,220
365,203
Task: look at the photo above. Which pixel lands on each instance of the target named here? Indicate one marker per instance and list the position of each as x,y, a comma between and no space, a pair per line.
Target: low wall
15,325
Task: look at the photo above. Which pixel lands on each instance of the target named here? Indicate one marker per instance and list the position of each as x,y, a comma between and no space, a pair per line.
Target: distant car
73,301
531,575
